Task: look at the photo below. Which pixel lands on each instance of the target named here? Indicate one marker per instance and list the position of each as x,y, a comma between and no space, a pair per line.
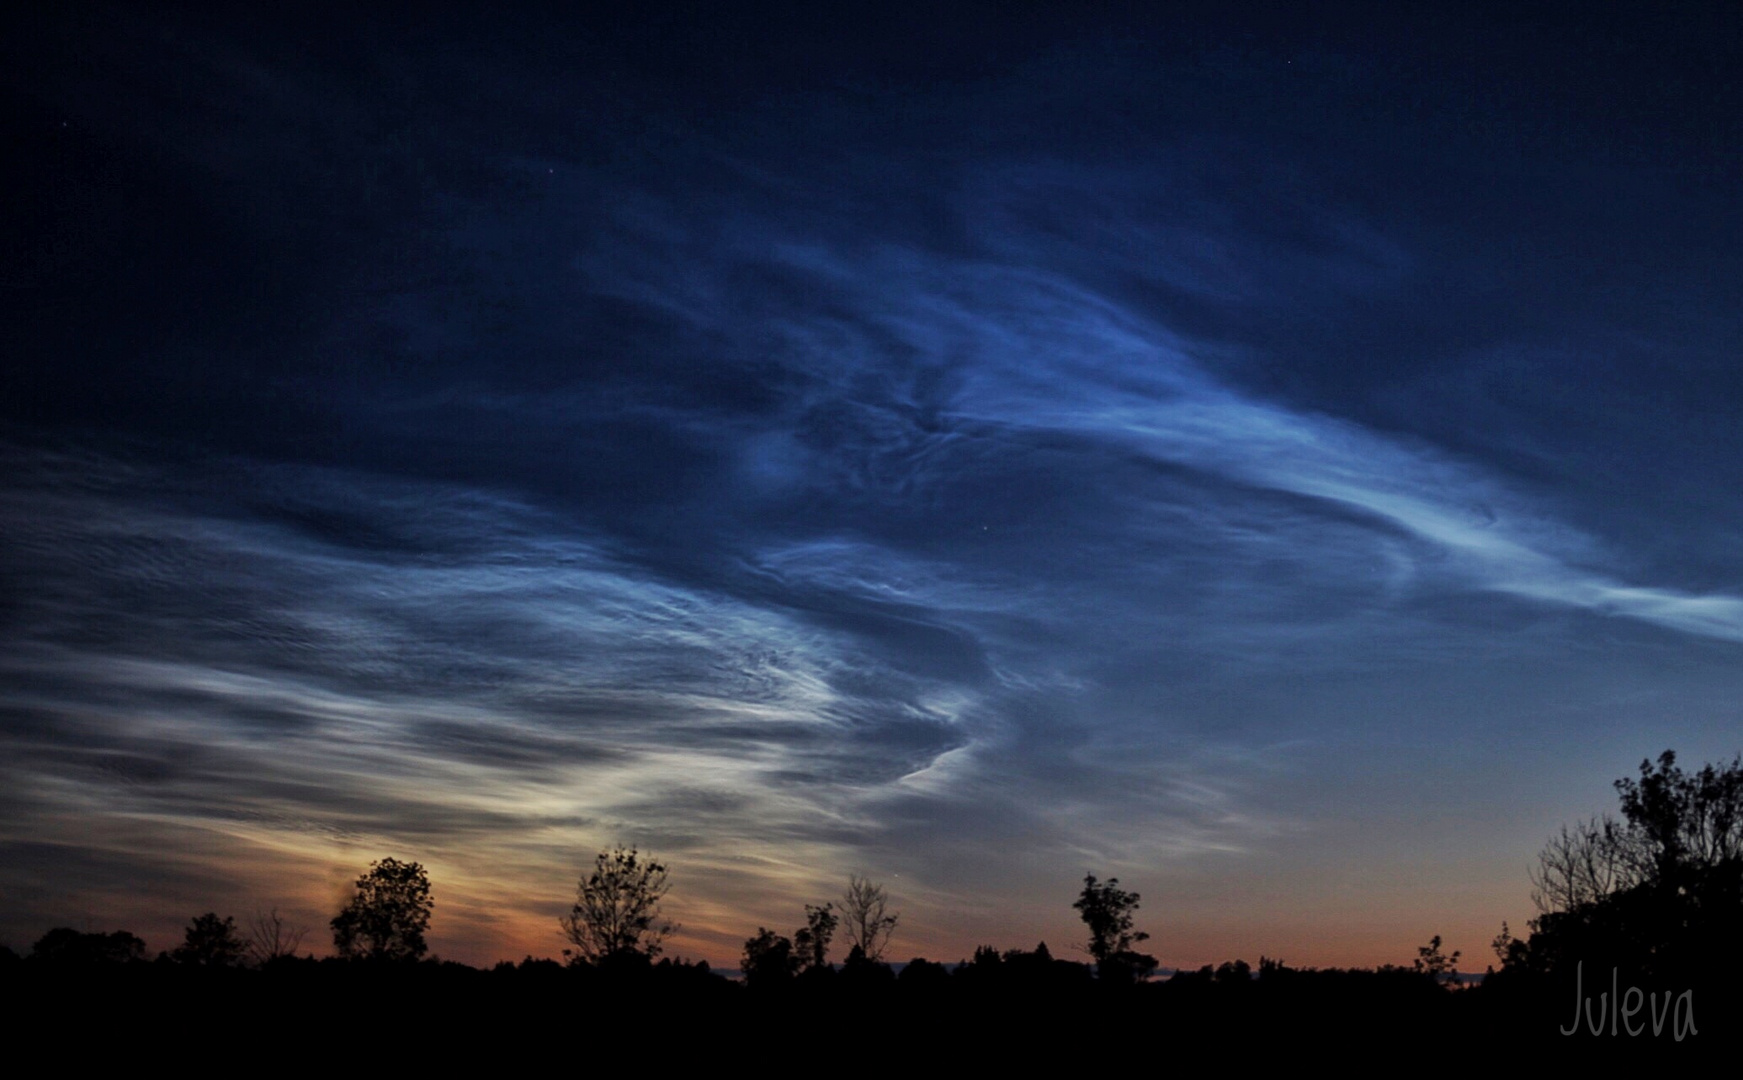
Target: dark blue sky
1288,463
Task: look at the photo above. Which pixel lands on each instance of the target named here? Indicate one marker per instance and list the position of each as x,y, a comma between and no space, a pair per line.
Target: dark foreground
357,1011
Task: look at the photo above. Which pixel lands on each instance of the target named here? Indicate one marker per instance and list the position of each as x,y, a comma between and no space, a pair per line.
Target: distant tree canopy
63,945
617,909
1658,892
1023,970
387,916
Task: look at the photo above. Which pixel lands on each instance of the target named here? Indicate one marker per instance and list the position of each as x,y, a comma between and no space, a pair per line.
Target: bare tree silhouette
271,938
865,917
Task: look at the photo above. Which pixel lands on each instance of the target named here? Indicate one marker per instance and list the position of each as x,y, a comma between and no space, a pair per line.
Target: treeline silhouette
1635,951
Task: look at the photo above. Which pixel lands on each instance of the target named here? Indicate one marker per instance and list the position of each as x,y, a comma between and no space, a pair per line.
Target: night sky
1288,461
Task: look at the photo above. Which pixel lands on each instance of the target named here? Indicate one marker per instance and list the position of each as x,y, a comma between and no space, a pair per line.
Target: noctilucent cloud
1287,462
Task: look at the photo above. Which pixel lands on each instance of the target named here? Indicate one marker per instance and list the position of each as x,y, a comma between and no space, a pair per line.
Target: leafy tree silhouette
768,958
1435,964
1508,949
387,916
617,909
211,942
1107,911
811,941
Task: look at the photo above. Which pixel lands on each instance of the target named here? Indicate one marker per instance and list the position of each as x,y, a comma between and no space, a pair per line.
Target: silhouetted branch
271,938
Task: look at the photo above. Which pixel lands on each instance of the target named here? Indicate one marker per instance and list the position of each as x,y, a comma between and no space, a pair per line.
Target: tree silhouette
1107,911
811,941
1437,965
270,938
617,909
211,942
64,945
1679,832
1658,893
772,958
1584,863
866,919
768,958
1507,948
387,916
1684,827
